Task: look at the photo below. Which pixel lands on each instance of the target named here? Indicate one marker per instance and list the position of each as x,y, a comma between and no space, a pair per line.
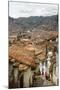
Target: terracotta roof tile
19,54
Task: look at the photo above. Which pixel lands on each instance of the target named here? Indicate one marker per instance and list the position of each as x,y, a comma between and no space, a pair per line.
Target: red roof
18,54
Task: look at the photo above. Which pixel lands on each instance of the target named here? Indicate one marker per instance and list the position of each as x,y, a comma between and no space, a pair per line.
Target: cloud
19,9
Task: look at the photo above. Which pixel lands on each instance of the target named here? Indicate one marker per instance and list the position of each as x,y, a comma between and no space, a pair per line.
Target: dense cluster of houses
32,56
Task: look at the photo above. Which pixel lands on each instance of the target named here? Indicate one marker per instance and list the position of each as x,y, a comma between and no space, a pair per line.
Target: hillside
33,23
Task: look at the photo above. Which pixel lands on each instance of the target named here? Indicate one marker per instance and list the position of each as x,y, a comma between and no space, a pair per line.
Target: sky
21,9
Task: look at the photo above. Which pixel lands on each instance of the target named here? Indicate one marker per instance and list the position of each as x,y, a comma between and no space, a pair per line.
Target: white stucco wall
40,67
56,71
48,65
16,75
27,77
57,65
54,79
44,67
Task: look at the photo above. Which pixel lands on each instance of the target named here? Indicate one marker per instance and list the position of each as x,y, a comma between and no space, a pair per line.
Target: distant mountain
33,22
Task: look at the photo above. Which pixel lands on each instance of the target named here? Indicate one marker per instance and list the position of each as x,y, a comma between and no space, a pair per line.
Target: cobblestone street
41,81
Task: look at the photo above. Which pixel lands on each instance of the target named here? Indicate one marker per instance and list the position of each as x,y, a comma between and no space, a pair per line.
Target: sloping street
41,81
